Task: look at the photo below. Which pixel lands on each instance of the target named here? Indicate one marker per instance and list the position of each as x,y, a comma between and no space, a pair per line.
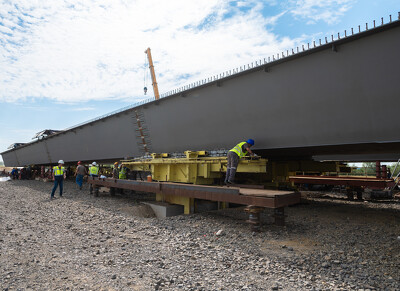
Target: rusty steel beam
344,181
222,194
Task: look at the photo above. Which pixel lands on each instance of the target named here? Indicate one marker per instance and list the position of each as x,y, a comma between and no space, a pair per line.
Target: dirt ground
81,242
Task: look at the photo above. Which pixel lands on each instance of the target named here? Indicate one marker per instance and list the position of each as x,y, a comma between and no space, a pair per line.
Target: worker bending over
93,172
234,155
58,177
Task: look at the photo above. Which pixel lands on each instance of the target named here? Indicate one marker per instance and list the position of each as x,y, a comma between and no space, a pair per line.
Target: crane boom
153,74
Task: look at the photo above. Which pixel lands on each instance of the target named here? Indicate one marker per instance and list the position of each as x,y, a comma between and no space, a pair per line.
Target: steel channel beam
355,182
230,195
286,200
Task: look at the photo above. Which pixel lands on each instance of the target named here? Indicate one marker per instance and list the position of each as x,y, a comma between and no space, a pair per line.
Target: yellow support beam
186,202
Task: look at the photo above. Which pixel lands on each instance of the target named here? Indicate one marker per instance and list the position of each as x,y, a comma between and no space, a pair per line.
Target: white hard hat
61,162
94,164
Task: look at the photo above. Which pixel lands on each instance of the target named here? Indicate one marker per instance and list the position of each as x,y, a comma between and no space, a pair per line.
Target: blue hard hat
250,141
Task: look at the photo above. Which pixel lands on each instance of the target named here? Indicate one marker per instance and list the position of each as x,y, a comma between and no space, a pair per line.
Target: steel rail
344,181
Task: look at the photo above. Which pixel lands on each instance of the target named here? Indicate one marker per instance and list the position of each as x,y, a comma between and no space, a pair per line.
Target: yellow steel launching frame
195,167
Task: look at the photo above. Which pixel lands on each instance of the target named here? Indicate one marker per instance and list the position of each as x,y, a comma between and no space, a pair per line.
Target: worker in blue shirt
14,173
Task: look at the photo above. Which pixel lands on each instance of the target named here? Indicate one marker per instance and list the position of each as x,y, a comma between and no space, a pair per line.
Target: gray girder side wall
324,98
113,138
10,159
33,154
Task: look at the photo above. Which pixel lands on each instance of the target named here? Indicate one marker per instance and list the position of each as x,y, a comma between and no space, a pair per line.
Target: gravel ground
106,243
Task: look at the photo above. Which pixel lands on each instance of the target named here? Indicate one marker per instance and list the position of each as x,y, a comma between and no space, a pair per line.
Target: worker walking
80,173
93,172
234,155
58,177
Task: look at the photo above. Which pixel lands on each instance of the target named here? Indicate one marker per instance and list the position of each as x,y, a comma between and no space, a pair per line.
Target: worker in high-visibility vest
58,177
115,173
93,172
234,155
122,172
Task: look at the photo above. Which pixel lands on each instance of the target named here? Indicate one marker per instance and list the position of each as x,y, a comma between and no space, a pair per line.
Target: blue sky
65,62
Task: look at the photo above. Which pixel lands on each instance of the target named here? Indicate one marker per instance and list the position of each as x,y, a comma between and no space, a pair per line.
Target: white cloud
83,109
15,135
313,11
70,51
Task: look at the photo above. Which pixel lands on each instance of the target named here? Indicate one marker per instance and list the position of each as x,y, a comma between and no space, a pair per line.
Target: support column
378,169
254,217
359,193
384,172
186,202
350,195
279,214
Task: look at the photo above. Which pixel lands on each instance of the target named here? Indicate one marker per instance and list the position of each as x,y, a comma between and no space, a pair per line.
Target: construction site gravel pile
109,243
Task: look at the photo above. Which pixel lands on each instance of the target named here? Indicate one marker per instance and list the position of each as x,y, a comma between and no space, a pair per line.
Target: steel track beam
277,199
344,181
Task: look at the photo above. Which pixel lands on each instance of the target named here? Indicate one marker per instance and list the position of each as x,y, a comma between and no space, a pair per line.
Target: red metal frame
344,181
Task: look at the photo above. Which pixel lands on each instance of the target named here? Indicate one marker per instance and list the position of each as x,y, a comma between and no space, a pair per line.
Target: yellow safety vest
58,171
94,170
122,174
238,150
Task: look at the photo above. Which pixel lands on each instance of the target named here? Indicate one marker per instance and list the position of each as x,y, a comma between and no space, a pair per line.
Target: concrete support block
163,209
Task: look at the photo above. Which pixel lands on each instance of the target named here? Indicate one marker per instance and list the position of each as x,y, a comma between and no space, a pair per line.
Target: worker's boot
228,172
232,174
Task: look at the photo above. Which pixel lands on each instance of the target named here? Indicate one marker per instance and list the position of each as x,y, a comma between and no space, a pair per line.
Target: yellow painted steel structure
195,168
187,203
